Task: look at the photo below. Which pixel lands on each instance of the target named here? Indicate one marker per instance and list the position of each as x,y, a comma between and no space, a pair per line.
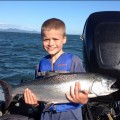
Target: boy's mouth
51,48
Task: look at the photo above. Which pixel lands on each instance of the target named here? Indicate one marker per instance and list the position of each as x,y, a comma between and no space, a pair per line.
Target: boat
101,44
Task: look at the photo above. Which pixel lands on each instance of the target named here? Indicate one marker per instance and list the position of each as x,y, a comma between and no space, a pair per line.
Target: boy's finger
77,88
26,95
72,92
29,96
69,97
34,99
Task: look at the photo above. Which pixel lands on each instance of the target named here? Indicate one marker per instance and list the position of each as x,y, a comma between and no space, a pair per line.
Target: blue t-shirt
66,62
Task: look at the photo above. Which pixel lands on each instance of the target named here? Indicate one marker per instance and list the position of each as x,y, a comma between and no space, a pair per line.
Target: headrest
101,38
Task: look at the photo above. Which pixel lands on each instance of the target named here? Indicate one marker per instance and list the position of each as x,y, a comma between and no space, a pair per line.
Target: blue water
21,52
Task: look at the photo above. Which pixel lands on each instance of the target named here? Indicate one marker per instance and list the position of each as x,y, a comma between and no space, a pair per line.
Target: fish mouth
113,87
112,83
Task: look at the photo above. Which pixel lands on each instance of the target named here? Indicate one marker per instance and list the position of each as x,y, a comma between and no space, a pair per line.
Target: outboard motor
101,41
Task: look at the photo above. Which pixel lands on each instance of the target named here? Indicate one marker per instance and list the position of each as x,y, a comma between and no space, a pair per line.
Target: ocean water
21,52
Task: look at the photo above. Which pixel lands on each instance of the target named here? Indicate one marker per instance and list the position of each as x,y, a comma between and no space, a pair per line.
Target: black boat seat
101,37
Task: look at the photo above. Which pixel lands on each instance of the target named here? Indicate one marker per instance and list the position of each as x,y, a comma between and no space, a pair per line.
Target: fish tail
7,89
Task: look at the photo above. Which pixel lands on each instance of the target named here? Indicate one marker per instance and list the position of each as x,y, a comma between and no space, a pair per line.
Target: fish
52,89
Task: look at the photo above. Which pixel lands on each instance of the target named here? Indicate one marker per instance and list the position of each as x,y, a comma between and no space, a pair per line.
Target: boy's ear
65,39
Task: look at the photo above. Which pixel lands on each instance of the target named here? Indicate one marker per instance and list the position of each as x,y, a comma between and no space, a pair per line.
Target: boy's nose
51,42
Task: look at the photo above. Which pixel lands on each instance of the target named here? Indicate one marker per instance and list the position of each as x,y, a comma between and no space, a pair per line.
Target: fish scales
51,87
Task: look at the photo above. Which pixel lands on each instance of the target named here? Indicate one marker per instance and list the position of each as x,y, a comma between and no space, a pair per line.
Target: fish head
103,86
107,84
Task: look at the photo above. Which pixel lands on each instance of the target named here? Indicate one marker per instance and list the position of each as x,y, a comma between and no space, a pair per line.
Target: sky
29,15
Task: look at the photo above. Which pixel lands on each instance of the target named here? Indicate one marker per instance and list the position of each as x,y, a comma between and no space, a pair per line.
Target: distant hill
18,30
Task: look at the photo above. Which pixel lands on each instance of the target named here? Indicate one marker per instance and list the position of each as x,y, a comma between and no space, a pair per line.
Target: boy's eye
45,39
55,39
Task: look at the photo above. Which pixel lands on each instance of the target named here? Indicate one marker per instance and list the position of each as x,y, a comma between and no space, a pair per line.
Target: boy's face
53,41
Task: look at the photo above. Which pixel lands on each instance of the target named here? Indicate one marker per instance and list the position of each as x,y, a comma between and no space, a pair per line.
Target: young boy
53,34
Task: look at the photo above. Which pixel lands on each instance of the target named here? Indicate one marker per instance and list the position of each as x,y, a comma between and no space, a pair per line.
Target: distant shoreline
28,32
18,30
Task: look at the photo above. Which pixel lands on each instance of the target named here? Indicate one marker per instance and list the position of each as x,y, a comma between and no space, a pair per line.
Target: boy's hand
30,98
76,96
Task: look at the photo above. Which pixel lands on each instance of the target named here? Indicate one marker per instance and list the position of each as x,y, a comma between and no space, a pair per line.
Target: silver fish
52,89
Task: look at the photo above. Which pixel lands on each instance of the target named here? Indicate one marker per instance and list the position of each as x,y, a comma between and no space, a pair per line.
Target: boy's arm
77,65
30,97
74,94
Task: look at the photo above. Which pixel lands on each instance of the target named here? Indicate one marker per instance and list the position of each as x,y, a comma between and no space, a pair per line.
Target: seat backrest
101,38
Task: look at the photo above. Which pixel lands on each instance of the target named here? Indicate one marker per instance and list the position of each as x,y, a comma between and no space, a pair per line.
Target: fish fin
7,88
48,106
47,74
50,74
54,73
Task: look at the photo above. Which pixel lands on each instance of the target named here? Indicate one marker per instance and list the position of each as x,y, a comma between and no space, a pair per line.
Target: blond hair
53,23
